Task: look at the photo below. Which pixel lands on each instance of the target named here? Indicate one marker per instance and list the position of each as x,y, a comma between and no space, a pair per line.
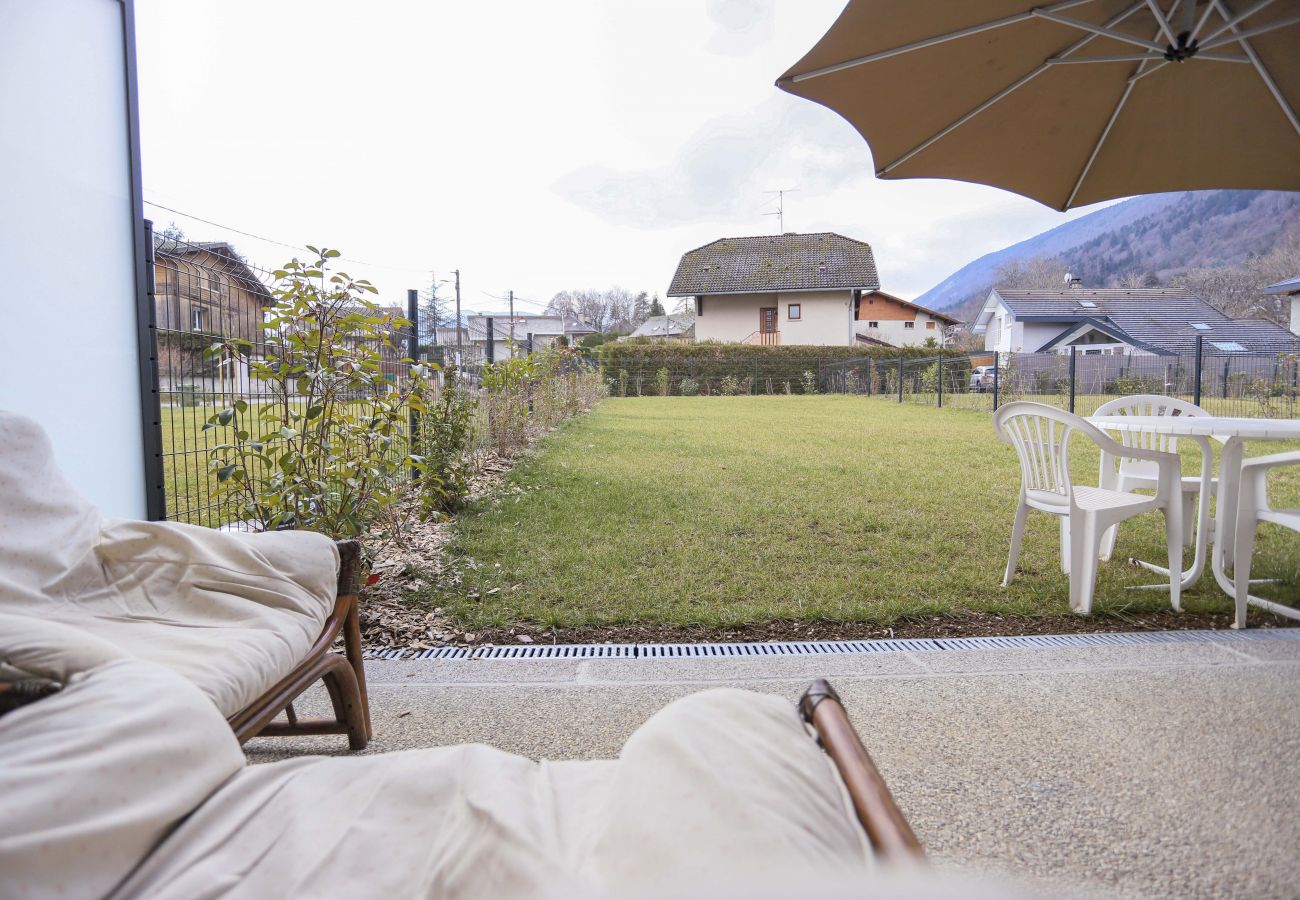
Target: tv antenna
780,207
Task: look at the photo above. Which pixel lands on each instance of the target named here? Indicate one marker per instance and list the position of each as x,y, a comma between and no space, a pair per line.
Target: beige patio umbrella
1071,102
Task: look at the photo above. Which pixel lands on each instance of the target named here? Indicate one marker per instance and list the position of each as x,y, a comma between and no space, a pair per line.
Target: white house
523,331
819,289
1148,320
1292,287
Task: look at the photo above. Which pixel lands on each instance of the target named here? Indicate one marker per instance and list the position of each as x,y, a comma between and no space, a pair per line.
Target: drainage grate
826,648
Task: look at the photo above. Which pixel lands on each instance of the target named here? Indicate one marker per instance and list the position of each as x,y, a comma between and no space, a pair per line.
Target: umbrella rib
1097,29
1230,20
1014,86
1161,21
1251,32
1114,116
926,42
1259,67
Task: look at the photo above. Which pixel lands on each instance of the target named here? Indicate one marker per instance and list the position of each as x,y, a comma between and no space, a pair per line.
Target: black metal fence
1227,384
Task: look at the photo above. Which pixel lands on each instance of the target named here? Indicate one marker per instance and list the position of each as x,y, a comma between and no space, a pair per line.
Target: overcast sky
535,146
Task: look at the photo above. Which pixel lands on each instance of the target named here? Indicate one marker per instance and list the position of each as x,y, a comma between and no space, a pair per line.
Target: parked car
981,379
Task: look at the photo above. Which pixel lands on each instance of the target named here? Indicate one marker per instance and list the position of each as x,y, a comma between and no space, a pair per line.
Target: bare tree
1041,273
1239,290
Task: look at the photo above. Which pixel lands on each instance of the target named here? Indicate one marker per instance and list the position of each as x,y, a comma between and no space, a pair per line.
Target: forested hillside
1188,239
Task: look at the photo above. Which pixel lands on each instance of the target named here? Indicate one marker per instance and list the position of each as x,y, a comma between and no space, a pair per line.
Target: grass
725,511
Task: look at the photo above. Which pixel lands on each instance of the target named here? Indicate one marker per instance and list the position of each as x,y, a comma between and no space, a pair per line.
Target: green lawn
724,511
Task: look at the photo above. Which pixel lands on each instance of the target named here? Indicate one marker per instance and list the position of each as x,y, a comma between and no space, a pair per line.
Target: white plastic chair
1128,473
1041,436
1253,508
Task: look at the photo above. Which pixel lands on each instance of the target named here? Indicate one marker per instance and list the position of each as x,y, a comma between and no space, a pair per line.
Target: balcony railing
764,338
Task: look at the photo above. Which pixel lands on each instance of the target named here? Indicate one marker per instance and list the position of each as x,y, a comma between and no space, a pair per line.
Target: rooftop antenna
780,207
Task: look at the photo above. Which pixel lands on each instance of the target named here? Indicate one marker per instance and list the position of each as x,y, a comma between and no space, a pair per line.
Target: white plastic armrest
1273,460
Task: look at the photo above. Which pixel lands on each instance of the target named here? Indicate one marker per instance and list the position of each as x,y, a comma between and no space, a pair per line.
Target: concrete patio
1165,769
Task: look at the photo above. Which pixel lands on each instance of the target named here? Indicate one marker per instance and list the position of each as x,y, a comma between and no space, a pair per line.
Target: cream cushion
232,612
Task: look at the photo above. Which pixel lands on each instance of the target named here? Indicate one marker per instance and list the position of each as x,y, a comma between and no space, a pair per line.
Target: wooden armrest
891,836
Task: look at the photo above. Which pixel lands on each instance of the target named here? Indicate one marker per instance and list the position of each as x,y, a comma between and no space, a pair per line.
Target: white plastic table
1223,528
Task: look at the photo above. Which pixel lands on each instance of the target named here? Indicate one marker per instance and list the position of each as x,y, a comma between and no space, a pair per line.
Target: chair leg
1065,545
1017,537
1174,541
352,649
1247,507
1085,544
1111,480
1190,499
341,683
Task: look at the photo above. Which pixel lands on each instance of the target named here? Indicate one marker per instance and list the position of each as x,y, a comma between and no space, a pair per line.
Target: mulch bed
968,625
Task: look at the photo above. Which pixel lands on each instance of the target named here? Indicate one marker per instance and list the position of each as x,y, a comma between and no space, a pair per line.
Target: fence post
1074,352
1196,389
491,342
1226,364
939,377
997,368
900,378
146,320
754,390
413,351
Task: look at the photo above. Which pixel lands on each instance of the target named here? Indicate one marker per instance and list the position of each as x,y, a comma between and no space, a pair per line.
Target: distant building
1157,320
819,289
1290,287
523,331
664,328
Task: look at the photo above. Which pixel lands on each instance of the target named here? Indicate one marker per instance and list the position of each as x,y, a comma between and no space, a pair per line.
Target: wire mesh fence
1226,384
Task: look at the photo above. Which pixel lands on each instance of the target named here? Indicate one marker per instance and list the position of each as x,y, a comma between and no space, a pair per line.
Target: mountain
1157,237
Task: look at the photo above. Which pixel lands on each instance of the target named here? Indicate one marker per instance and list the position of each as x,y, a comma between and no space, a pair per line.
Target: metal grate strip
826,648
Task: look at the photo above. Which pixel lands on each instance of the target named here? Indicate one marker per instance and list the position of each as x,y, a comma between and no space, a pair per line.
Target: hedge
711,368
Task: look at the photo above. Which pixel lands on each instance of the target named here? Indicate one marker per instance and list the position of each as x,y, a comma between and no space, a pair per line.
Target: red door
767,321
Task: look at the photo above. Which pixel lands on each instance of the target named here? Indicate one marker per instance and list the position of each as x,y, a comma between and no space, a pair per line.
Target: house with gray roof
1291,288
1158,321
793,289
672,327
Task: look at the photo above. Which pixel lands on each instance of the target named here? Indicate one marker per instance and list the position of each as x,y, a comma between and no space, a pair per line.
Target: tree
1040,273
173,232
656,308
641,309
436,311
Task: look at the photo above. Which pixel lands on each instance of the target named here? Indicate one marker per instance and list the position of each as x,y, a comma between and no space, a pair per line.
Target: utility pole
459,348
512,324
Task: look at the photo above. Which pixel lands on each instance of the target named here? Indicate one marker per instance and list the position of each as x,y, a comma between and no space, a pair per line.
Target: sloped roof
776,262
234,264
662,326
1290,286
932,313
1153,318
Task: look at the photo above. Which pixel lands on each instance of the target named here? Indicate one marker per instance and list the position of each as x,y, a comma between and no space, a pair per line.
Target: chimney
1295,313
1073,282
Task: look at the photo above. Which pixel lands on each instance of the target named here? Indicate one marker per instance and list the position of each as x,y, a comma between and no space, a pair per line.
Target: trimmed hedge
709,368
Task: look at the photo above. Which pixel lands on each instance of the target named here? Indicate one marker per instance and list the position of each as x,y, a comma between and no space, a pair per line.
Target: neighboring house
542,330
777,289
1157,321
664,328
1290,287
203,290
883,319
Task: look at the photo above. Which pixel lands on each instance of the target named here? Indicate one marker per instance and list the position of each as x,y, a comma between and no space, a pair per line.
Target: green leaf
224,473
226,416
241,406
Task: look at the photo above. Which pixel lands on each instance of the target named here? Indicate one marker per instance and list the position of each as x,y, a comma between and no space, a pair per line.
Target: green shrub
688,387
444,440
809,381
729,386
622,382
662,381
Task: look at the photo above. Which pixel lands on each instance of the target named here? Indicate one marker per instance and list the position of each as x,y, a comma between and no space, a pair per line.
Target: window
930,325
1087,304
1230,346
909,324
198,318
1200,326
795,310
873,324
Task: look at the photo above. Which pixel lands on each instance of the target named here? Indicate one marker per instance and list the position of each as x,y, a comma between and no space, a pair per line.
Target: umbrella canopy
1071,102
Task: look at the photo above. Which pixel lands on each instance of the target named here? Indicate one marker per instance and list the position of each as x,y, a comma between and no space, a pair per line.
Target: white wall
1295,314
825,317
68,339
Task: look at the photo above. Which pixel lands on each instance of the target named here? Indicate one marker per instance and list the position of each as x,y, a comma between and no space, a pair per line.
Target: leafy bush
327,452
445,438
729,386
688,387
809,380
662,381
622,382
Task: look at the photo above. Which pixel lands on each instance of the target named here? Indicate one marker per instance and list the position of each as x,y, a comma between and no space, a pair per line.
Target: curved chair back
1149,405
1041,435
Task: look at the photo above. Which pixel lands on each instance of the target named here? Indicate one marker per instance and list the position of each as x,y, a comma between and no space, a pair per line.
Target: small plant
445,439
662,381
809,379
622,382
688,387
729,386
